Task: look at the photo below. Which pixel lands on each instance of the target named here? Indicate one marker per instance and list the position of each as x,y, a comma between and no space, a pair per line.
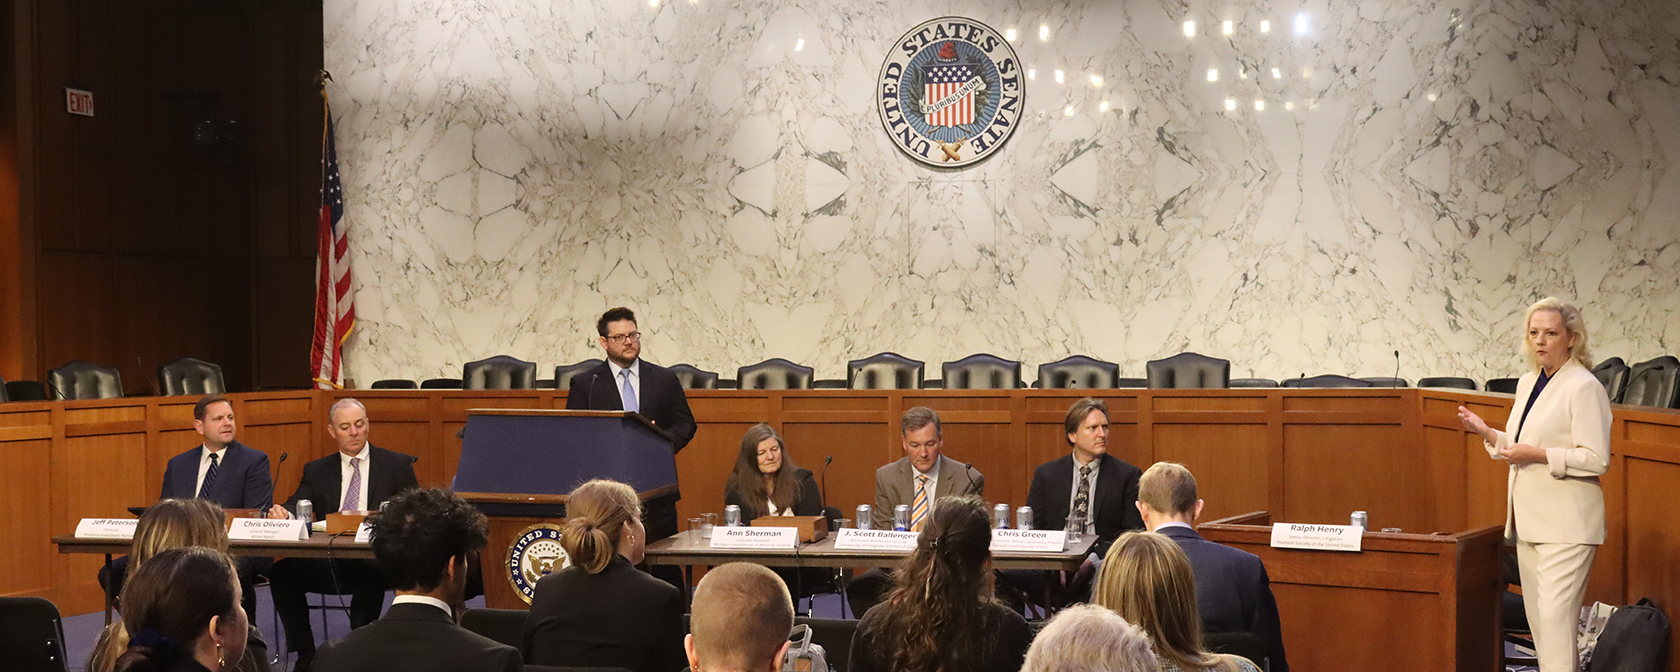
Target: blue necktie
628,394
209,476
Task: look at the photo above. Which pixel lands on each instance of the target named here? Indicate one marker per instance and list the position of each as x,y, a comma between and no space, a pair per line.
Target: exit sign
77,101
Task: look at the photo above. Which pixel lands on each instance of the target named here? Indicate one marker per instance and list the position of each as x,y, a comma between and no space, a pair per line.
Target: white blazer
1560,501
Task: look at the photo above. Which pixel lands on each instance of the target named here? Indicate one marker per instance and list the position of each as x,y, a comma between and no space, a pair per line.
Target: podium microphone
1396,382
826,461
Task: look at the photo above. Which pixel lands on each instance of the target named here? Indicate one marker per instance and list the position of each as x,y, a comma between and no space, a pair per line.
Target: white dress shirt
932,486
1091,503
618,380
423,599
361,503
1172,523
204,465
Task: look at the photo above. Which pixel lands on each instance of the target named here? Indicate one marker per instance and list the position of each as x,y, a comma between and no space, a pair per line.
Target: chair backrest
1078,371
1131,383
3,396
441,384
393,384
499,373
834,634
1253,382
506,626
82,379
885,371
1613,375
564,373
188,376
31,635
26,390
1653,382
1385,381
775,374
1448,381
1506,385
981,372
691,377
1245,644
1188,370
1327,380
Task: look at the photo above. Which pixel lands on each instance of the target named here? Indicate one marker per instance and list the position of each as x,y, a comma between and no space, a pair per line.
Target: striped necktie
353,494
919,511
210,476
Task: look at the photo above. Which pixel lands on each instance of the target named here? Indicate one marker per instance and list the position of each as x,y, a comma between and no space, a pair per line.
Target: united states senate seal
950,92
535,553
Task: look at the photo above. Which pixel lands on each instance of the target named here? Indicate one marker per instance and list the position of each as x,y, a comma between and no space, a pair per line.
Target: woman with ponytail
182,611
940,615
600,611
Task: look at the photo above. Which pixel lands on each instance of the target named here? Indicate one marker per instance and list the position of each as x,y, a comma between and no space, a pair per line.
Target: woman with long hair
601,611
766,482
940,615
1146,578
182,607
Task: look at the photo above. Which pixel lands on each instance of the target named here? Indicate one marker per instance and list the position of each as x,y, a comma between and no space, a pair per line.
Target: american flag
335,306
940,81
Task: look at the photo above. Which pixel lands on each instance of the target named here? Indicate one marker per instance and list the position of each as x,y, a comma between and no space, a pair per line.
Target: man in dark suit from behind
422,540
625,382
358,477
1233,593
741,618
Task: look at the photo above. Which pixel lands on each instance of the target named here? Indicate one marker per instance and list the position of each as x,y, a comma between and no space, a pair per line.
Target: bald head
742,615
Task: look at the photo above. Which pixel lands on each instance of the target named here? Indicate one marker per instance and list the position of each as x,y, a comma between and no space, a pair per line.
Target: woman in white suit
1557,441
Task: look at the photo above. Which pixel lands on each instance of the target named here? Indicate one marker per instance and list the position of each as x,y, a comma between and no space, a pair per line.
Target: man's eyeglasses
625,338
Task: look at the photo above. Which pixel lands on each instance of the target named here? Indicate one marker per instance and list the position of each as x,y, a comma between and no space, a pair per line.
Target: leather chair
1078,371
499,373
1131,383
1253,382
692,378
1188,370
1653,382
885,371
1506,385
81,379
441,384
1327,380
981,372
1385,381
393,384
544,384
26,390
31,635
506,626
1448,382
775,374
188,376
1613,375
563,374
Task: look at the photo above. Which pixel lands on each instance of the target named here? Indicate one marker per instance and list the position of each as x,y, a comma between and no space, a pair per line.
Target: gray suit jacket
893,486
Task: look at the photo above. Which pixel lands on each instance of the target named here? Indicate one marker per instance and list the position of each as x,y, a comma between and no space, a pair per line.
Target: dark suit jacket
620,617
415,638
662,398
387,473
809,504
1113,504
895,485
1232,591
242,478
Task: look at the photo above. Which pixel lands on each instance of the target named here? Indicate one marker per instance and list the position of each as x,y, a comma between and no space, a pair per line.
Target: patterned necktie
628,394
919,511
1081,501
353,494
210,476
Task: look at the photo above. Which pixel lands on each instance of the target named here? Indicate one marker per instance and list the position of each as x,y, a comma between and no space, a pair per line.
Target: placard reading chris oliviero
950,92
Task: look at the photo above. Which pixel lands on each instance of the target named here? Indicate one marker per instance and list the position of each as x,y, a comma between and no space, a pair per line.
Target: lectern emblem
950,92
535,553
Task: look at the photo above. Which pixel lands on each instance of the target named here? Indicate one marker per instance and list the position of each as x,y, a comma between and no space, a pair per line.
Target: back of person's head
168,605
596,514
1089,638
1168,487
932,620
1146,578
171,523
417,532
740,620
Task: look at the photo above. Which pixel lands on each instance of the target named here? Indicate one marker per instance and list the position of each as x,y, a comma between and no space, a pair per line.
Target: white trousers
1554,581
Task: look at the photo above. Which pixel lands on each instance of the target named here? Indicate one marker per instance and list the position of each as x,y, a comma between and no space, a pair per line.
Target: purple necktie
353,493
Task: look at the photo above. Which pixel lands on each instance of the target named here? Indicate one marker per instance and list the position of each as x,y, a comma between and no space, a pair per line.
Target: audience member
1147,580
740,621
940,615
182,606
1089,638
601,611
422,540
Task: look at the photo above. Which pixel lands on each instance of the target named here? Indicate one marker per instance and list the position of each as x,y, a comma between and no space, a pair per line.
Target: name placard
107,528
755,537
853,539
1317,537
364,534
1029,541
264,529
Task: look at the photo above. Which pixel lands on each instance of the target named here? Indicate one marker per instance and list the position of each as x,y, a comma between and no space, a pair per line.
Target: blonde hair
1572,323
742,614
596,513
1146,578
168,524
1089,638
1168,487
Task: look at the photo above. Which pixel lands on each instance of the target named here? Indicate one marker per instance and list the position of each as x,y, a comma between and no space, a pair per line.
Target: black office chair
499,373
1188,370
31,635
441,384
1654,382
394,384
506,626
188,376
834,635
82,379
1327,380
545,384
1253,382
1238,643
1506,385
885,371
3,396
1613,375
1078,371
1131,383
1385,381
26,390
564,373
775,374
691,377
981,372
1452,382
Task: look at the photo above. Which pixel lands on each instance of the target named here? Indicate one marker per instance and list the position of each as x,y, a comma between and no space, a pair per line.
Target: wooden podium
1404,602
517,466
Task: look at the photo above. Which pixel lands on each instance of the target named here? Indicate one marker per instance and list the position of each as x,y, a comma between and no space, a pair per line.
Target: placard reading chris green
950,92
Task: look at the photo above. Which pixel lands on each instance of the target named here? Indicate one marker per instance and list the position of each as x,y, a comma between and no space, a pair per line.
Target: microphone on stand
968,472
826,461
1396,382
276,477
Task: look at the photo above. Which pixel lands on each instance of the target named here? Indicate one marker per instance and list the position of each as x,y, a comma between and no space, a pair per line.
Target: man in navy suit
359,477
1233,593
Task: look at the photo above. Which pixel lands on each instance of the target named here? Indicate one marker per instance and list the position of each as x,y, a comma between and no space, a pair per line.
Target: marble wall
1319,185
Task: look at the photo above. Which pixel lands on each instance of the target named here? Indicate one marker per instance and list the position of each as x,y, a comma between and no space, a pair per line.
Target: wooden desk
319,545
684,551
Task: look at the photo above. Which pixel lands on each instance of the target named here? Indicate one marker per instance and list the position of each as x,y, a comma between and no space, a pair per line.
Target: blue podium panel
550,452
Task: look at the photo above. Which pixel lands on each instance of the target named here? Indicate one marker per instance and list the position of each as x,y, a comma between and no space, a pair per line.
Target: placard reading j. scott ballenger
951,92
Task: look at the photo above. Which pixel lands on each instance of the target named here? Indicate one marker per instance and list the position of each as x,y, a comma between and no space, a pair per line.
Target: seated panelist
766,482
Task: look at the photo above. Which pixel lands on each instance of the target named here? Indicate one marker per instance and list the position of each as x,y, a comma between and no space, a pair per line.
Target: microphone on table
826,461
1396,382
155,391
968,472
